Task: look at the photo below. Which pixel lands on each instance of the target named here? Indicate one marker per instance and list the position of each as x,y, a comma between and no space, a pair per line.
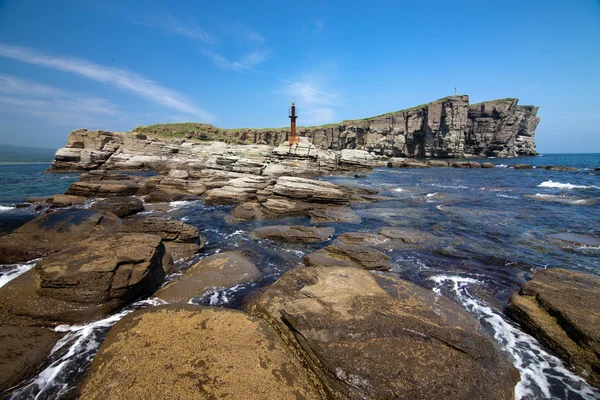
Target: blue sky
115,65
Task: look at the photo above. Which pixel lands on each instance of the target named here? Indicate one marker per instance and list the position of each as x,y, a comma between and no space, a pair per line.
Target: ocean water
489,237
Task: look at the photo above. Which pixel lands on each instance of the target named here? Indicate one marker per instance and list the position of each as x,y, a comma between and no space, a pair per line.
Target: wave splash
564,186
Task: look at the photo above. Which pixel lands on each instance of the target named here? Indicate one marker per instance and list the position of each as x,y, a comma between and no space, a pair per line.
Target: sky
115,65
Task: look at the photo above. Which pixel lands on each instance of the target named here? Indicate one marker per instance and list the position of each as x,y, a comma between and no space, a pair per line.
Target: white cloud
170,24
120,78
248,62
12,85
308,93
317,116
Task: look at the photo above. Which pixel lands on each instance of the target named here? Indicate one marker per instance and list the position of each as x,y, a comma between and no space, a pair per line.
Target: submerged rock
293,233
22,351
85,281
120,206
51,232
562,309
334,215
576,239
338,255
220,270
191,352
568,200
376,336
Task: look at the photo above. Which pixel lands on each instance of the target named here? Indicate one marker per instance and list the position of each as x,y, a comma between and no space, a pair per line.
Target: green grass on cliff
211,133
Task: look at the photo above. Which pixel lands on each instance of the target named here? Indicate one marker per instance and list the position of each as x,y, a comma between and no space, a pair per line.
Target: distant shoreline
24,162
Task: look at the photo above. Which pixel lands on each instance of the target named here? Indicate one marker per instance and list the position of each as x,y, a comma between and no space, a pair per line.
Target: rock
438,163
559,168
181,240
370,336
159,196
309,190
120,206
22,351
487,165
63,200
356,157
465,164
230,195
178,174
246,212
84,281
414,164
334,215
576,239
220,270
294,233
50,233
562,309
523,166
103,188
387,238
343,255
191,352
568,200
396,162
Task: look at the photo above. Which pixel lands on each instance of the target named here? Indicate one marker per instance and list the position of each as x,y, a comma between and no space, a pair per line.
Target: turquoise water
488,239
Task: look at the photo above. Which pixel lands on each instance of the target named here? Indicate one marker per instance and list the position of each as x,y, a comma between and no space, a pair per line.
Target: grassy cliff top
210,132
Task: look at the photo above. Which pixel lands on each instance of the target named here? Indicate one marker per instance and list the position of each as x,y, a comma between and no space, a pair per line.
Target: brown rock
562,309
438,163
309,190
487,165
63,200
103,188
22,351
372,336
523,166
294,233
51,232
191,352
338,255
559,168
230,195
465,164
120,206
334,215
159,196
220,270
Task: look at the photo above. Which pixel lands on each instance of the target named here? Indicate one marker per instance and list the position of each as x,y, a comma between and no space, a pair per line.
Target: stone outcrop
50,232
192,352
120,206
370,336
293,233
340,255
85,281
562,309
448,127
220,270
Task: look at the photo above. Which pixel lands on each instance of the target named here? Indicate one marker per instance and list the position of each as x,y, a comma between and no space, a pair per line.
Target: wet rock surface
22,352
336,316
213,272
294,233
344,255
192,352
562,309
50,232
120,206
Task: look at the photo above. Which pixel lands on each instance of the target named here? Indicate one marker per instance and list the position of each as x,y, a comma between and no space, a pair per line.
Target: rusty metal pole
293,139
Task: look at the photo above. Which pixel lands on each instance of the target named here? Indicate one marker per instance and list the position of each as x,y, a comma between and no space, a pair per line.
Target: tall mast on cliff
293,138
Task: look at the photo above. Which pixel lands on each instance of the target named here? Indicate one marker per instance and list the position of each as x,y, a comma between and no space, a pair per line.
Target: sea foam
566,186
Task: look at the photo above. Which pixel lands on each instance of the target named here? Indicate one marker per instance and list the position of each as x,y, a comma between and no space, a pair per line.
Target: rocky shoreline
338,327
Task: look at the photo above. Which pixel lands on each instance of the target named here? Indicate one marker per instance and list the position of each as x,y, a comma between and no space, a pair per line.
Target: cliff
446,128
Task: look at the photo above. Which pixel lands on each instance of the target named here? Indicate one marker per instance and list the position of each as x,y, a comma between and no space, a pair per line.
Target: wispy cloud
59,106
120,78
248,62
173,25
318,116
308,93
318,26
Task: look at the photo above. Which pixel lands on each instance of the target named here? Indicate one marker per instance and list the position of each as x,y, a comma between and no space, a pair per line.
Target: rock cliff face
446,128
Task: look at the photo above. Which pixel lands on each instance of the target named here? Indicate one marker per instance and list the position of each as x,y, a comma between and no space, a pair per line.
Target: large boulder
103,188
22,351
51,232
64,200
562,309
309,190
230,195
334,215
220,270
339,255
191,352
372,336
180,239
120,206
87,280
292,233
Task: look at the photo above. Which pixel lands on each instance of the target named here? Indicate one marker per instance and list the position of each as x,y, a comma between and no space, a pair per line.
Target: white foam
15,270
537,367
501,166
6,208
439,185
505,196
566,186
398,190
182,203
432,194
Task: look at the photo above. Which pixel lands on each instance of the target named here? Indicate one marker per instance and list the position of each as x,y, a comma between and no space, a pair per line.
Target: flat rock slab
22,351
576,239
309,190
388,238
334,215
292,233
191,352
370,336
63,200
51,232
568,200
343,255
120,206
562,309
220,270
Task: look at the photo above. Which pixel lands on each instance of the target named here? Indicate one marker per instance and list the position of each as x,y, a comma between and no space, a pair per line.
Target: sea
492,225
